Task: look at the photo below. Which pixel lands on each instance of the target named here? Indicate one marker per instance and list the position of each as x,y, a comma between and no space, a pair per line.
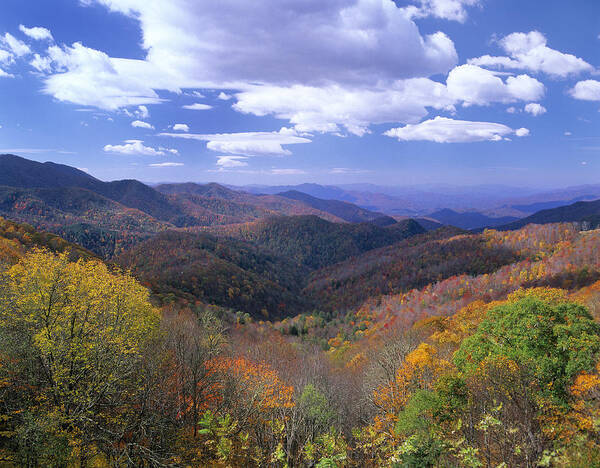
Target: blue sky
288,91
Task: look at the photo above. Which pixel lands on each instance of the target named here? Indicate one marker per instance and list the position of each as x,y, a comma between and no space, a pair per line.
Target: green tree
555,341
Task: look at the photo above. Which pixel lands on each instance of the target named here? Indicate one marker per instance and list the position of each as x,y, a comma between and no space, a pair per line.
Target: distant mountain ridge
345,210
582,212
469,219
109,217
24,173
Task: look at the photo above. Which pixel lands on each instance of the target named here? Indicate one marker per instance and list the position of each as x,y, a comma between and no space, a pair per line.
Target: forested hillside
406,265
460,372
194,268
315,242
16,239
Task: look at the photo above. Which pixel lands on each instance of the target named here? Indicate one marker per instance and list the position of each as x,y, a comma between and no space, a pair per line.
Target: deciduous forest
447,349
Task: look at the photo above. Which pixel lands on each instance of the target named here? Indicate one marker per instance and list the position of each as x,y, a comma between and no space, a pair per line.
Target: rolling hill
18,238
62,209
198,267
411,263
315,242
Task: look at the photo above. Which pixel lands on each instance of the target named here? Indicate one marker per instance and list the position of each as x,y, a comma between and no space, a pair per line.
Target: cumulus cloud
588,90
231,161
446,9
37,33
167,164
5,56
475,85
197,106
529,51
445,130
318,41
224,96
522,132
338,44
535,109
133,147
90,77
41,64
168,150
142,112
180,127
140,124
325,109
247,143
17,47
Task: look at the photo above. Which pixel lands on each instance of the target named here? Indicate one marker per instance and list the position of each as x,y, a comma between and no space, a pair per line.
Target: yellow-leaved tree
73,337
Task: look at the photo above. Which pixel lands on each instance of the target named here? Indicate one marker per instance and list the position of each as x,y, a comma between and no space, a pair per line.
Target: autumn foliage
496,366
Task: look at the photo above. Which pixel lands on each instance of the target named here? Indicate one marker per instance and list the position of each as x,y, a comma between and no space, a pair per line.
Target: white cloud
248,143
37,33
168,150
167,164
568,133
4,74
522,132
180,127
287,171
89,77
197,94
444,130
325,109
347,171
535,109
588,90
231,161
133,147
337,44
529,51
41,64
224,96
142,112
475,85
5,56
19,48
197,106
445,9
140,124
345,41
511,110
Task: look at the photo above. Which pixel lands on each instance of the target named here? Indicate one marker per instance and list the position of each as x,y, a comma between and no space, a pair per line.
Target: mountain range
269,254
